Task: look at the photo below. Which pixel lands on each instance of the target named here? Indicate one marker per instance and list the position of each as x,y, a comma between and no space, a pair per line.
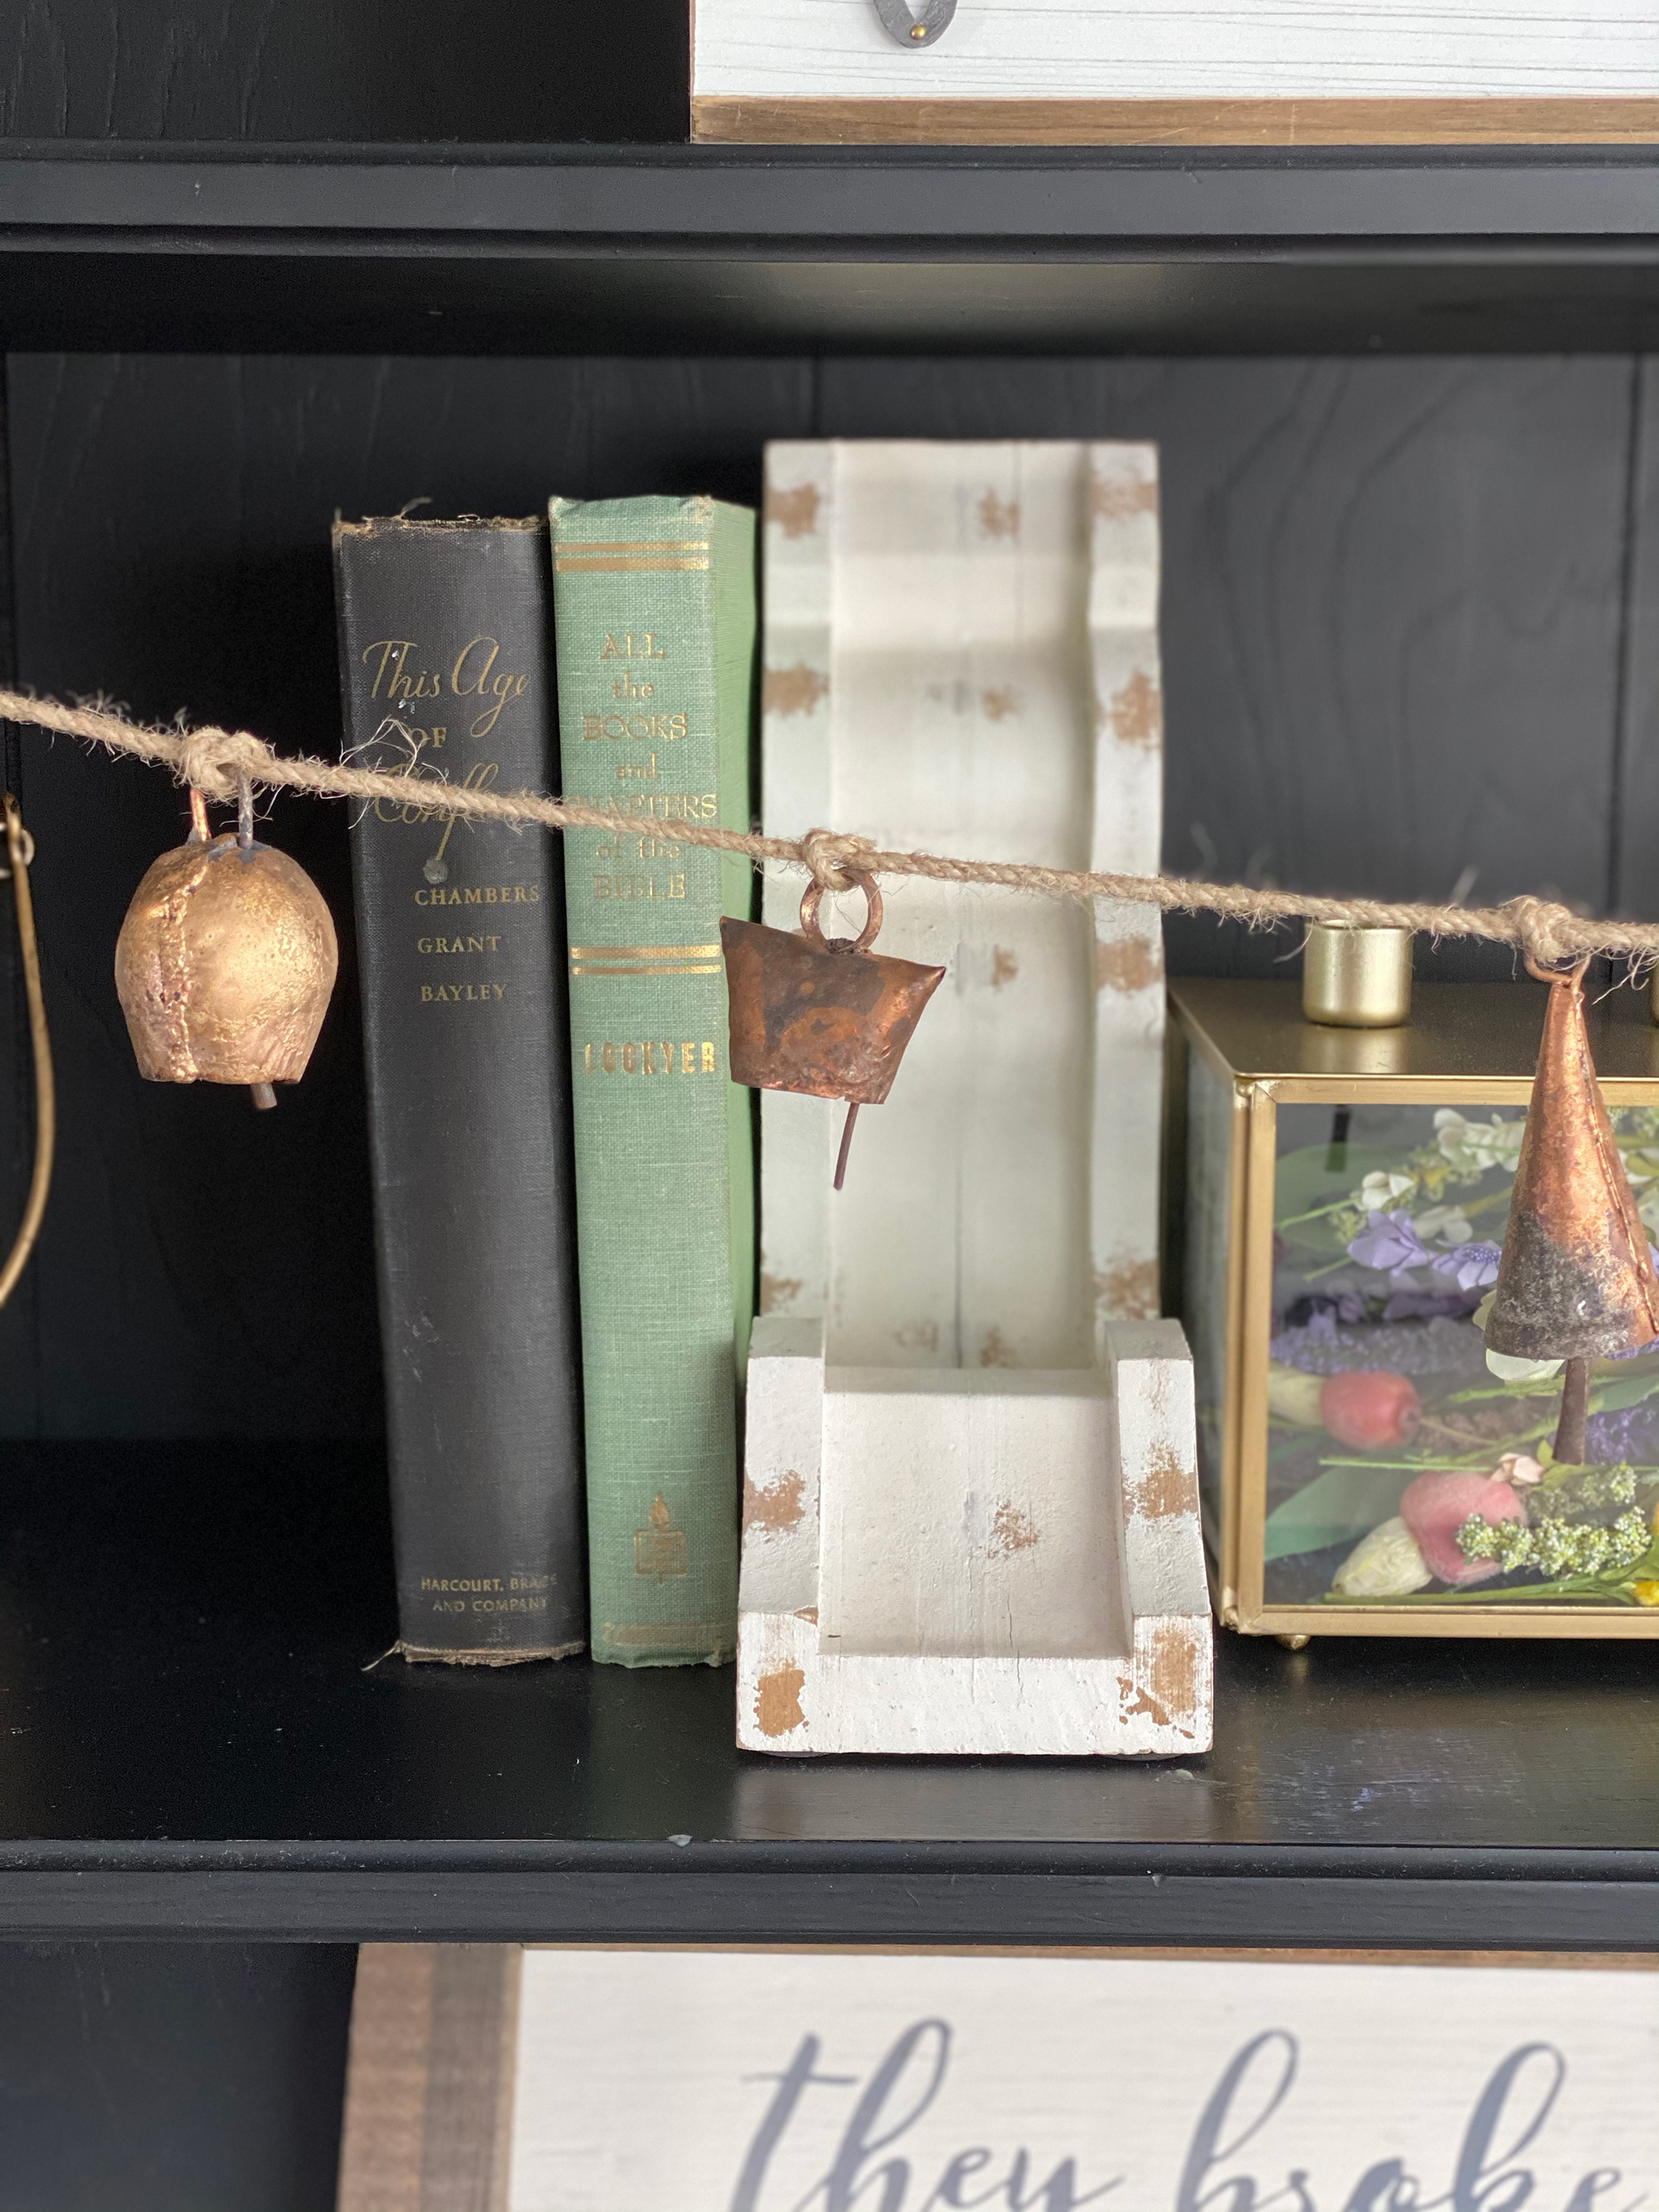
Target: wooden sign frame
436,2046
1099,73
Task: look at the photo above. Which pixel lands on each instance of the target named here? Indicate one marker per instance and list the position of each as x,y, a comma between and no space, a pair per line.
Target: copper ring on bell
812,898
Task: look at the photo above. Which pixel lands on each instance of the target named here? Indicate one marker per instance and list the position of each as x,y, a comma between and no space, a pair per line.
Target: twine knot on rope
836,860
1550,935
217,761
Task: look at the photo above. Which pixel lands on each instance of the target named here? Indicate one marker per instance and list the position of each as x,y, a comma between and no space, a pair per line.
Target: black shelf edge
720,250
199,1743
925,1895
1236,200
1297,1897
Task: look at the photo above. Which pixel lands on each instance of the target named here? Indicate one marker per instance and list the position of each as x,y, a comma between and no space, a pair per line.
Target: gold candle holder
1357,977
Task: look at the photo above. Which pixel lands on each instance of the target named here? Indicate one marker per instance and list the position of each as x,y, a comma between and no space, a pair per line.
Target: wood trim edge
429,2078
386,2078
740,119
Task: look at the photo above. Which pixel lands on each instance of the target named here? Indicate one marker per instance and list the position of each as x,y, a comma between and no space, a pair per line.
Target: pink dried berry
1370,1409
1436,1507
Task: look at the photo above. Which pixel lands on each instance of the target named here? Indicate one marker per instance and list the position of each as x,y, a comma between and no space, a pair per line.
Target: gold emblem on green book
659,1550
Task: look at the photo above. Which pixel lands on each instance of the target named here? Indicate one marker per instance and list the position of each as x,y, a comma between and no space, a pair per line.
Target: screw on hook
918,30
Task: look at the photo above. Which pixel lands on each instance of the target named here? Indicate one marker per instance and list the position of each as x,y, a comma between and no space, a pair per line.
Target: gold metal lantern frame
1256,1091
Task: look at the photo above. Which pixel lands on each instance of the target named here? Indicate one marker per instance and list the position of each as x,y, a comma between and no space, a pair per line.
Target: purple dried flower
1388,1241
1472,1266
1630,1433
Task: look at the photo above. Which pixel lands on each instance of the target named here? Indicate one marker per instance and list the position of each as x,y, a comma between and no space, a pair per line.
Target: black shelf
469,249
198,1744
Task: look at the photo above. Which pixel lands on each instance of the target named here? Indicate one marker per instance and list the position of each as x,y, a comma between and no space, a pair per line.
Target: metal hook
916,31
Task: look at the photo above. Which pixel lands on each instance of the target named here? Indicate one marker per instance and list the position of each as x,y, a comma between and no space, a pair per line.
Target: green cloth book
654,631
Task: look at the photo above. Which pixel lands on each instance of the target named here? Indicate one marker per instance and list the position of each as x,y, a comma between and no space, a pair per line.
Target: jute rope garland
217,763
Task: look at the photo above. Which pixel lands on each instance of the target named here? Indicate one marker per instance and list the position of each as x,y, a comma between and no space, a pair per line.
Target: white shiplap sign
696,2081
1161,50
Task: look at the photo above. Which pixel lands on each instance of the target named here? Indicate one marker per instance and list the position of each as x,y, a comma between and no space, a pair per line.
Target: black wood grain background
171,2077
492,71
1409,643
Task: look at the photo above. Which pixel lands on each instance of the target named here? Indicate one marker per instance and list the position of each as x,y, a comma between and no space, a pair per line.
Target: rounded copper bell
225,964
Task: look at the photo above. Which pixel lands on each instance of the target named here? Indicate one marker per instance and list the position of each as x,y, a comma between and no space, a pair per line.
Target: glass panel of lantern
1369,1465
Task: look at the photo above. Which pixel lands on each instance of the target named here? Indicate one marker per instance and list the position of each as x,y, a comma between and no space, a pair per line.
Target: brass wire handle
20,848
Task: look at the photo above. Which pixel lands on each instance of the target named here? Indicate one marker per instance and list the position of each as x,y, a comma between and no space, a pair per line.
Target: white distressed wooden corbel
973,1562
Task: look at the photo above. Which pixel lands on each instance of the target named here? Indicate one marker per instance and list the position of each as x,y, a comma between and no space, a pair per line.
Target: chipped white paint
1160,50
961,654
989,1563
783,1441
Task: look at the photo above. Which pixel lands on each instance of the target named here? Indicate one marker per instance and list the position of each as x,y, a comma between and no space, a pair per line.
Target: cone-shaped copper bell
828,1019
1576,1282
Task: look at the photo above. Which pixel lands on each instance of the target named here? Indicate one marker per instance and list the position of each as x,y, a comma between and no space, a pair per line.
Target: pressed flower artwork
1408,1465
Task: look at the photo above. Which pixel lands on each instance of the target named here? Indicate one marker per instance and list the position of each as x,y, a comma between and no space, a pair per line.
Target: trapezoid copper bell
823,1017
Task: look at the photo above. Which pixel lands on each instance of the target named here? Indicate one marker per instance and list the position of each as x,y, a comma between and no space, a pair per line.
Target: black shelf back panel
344,71
172,2078
1409,628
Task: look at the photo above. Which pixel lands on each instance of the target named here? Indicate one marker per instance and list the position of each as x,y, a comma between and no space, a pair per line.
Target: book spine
654,601
446,670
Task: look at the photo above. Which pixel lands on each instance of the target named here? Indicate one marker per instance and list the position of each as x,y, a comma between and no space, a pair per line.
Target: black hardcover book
448,670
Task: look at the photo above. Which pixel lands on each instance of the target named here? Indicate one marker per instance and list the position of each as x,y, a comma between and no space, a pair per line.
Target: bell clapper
810,903
264,1094
846,1143
1575,1405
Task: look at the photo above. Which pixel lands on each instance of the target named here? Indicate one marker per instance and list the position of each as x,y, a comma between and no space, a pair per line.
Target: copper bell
825,1016
225,962
1576,1282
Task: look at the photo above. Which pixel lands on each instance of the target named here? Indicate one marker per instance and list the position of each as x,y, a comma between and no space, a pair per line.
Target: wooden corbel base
973,1561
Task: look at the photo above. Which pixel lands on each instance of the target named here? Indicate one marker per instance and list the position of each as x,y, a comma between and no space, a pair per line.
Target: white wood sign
607,2081
961,655
1154,70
